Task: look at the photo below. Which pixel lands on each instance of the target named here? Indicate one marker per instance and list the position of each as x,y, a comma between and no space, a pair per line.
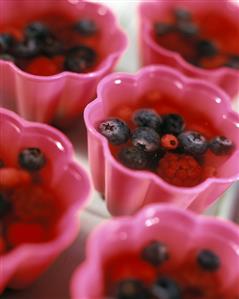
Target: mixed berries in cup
51,44
29,208
185,33
181,147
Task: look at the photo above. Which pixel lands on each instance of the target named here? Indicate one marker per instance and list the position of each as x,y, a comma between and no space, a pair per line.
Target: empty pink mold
22,265
126,190
62,96
186,232
153,53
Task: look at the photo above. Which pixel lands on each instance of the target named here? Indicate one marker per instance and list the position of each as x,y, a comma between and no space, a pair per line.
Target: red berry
169,142
42,66
12,177
19,233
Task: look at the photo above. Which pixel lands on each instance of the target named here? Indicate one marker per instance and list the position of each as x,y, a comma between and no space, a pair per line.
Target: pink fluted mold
22,265
126,190
65,95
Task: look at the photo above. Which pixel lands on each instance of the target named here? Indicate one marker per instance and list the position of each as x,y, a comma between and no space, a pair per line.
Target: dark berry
166,288
162,28
31,159
206,48
146,139
50,46
131,289
85,27
2,164
192,143
182,14
79,59
221,145
169,142
233,62
147,118
208,260
27,49
115,130
7,57
155,253
37,31
7,41
154,158
133,158
173,124
5,205
188,29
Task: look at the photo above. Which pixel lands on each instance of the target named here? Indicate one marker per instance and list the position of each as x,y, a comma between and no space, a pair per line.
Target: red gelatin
42,66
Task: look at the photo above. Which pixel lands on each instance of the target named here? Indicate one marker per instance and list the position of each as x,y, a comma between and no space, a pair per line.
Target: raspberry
33,203
146,139
85,27
169,142
31,159
19,233
12,177
180,170
147,118
155,253
42,66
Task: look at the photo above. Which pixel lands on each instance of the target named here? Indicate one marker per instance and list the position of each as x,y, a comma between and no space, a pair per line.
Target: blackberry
131,289
155,253
192,143
115,130
5,205
208,260
206,48
31,159
85,27
221,145
146,139
172,124
166,288
133,158
147,118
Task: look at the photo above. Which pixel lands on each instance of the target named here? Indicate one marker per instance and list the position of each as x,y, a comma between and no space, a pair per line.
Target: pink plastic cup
63,96
153,53
182,231
22,265
126,190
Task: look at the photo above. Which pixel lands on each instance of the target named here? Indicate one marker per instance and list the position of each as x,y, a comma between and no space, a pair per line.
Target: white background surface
54,284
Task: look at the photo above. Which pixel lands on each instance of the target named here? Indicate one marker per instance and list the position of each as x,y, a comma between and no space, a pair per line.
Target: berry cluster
40,51
161,144
26,207
184,35
184,285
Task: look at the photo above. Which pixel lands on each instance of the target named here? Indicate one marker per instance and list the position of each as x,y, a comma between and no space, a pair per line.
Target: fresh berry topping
5,205
37,31
6,42
79,59
27,49
173,124
146,139
192,143
115,130
169,142
208,260
19,233
7,57
180,170
188,29
166,288
233,62
133,157
32,159
182,14
206,48
12,177
42,66
155,253
162,28
85,27
131,289
221,145
147,118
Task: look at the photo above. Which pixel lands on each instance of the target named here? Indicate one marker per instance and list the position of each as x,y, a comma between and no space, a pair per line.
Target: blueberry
37,31
7,57
192,143
208,260
31,159
182,14
147,118
79,58
133,158
131,289
155,253
146,139
26,49
85,27
221,145
188,29
51,46
173,124
166,288
162,28
206,48
7,41
5,205
115,130
233,62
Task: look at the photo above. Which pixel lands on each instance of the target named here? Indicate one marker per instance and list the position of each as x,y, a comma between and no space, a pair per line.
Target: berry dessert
197,39
52,44
182,147
29,209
